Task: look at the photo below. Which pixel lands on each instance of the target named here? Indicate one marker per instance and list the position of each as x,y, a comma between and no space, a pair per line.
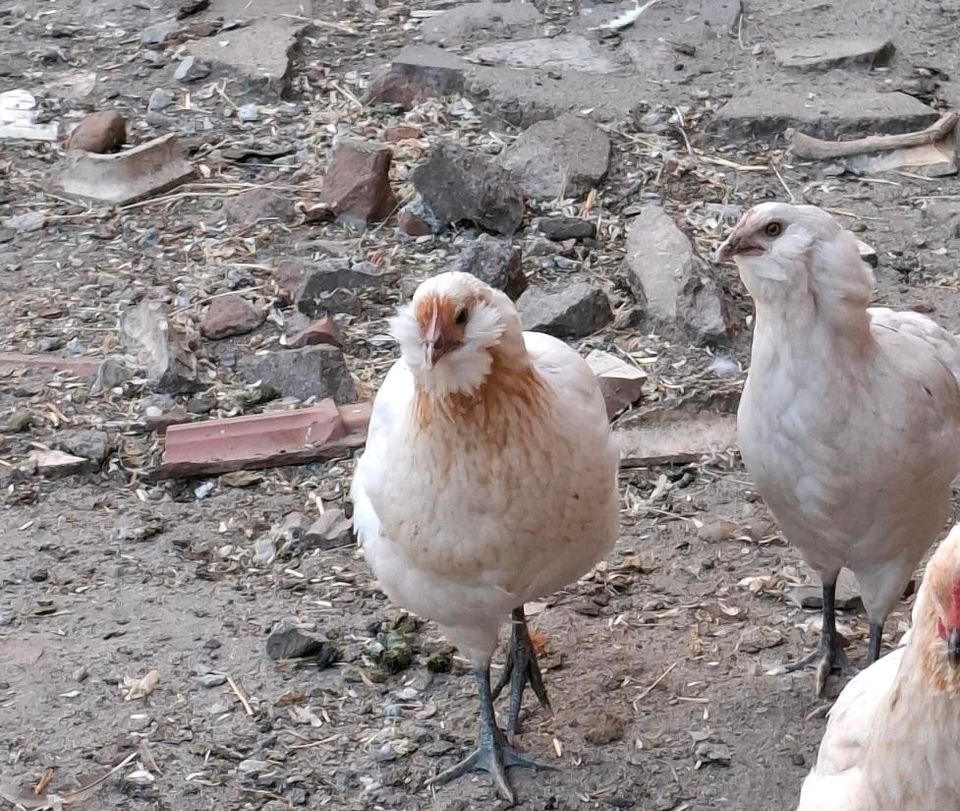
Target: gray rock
487,20
92,445
767,111
560,158
191,69
249,112
259,204
9,261
7,235
113,372
573,312
495,262
568,52
823,53
331,286
331,531
289,640
457,185
230,315
418,72
679,297
209,680
160,99
313,371
27,222
158,33
560,229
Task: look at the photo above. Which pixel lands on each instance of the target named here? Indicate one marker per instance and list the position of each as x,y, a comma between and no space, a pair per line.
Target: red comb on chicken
489,479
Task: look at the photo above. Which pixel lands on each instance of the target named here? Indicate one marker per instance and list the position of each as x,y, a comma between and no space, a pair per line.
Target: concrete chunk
832,52
486,20
676,437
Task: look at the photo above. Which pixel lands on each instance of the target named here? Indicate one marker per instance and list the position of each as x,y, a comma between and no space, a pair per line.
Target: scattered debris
678,296
457,185
621,383
289,639
565,157
574,312
18,118
263,440
676,437
150,168
357,184
101,132
496,262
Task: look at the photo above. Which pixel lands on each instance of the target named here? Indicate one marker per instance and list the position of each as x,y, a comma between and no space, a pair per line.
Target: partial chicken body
489,478
849,422
891,742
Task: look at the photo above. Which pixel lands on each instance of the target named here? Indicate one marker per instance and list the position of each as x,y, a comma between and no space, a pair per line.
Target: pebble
27,222
160,99
248,112
212,680
190,70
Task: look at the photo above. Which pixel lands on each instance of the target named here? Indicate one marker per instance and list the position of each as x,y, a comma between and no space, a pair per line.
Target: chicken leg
829,654
521,667
876,639
493,753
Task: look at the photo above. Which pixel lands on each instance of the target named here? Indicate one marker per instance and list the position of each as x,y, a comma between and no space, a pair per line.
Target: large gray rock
769,110
496,262
312,371
457,185
678,296
331,286
573,312
565,157
470,22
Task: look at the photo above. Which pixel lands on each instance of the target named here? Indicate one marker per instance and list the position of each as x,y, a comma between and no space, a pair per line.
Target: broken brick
321,331
357,184
620,383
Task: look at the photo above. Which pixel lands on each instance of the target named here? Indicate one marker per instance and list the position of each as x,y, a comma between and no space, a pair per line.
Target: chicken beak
434,345
953,648
728,249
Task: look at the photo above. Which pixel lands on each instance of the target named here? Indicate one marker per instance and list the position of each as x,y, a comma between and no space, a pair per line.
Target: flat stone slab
831,52
676,437
478,22
570,52
261,51
769,111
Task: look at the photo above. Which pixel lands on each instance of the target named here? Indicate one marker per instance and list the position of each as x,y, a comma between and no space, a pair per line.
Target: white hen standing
849,422
891,742
489,478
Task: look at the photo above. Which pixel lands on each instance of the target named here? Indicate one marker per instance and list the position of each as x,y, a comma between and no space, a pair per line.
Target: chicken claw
493,754
829,654
521,667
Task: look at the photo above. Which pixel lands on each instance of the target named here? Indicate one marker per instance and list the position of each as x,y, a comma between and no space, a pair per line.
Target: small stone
412,225
356,186
456,186
231,315
111,374
202,403
27,222
604,727
101,132
679,296
620,382
401,133
220,708
209,680
265,549
709,752
7,235
560,229
573,312
259,204
290,640
160,99
331,531
292,527
20,420
495,262
312,371
89,444
9,261
330,286
191,69
248,112
562,158
716,531
321,331
159,33
384,753
758,638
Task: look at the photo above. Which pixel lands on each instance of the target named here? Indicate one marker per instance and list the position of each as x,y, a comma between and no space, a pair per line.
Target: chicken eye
773,229
461,317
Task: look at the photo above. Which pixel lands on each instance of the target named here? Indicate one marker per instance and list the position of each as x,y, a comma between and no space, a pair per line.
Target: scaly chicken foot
493,754
876,639
830,654
521,667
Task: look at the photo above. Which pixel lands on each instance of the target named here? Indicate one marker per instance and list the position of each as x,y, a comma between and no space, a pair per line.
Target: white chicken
891,741
849,422
489,478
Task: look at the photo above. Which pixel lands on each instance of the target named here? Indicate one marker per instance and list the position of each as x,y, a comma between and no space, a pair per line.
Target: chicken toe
521,667
493,754
830,654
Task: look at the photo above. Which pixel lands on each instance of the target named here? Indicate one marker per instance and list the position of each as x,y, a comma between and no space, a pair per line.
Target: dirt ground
655,661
